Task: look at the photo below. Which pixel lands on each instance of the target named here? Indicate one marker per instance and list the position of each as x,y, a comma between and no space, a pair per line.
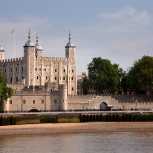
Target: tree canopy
103,76
140,77
5,92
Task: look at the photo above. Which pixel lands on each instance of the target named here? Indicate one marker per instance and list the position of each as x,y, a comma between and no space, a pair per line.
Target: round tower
70,49
71,68
38,49
1,53
29,61
63,97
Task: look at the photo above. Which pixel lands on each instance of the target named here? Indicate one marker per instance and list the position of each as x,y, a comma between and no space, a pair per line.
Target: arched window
37,77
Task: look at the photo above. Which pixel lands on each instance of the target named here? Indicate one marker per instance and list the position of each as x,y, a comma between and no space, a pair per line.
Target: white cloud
127,19
49,42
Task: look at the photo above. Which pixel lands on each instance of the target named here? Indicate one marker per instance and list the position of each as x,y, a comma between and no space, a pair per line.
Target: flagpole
14,42
13,32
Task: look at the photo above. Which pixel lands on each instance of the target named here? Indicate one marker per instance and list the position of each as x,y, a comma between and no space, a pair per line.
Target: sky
118,30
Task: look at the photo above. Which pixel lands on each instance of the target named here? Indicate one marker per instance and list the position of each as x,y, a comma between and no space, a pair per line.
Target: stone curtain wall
44,101
118,102
26,101
89,102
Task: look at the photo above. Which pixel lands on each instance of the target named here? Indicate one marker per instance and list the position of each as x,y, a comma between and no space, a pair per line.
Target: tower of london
34,70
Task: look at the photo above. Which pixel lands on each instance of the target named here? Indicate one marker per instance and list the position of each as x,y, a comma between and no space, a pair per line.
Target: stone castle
51,83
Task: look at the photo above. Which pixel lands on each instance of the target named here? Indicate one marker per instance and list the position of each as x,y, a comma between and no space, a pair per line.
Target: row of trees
105,77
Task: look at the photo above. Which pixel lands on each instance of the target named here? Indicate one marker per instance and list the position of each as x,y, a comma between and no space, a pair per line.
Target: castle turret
38,49
70,49
71,68
63,97
29,57
1,53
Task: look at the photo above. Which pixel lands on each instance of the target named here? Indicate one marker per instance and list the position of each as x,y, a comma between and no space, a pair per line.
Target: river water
107,142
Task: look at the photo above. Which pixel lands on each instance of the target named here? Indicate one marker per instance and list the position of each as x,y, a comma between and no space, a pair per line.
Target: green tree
140,77
86,85
103,75
5,92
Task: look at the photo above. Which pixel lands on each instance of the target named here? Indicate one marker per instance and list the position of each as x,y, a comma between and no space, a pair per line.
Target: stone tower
38,49
1,53
63,97
70,49
71,68
29,60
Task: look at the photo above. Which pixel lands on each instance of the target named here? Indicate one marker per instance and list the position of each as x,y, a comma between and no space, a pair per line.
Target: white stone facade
35,70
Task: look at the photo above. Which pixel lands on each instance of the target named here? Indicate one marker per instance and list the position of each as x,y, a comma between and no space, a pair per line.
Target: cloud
42,26
126,20
122,36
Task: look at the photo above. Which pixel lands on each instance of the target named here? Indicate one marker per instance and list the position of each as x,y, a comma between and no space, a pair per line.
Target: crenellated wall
12,60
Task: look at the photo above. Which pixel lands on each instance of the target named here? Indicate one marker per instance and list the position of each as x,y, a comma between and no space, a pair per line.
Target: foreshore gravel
90,127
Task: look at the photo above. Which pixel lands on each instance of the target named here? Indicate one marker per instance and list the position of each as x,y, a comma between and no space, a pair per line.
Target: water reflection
115,142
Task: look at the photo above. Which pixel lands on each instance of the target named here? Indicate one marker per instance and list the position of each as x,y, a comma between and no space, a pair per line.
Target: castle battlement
54,59
12,60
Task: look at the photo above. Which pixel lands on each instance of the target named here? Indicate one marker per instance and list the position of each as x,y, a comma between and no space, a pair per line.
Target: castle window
72,89
36,69
33,101
46,77
5,70
22,77
10,101
16,79
44,69
22,68
64,70
72,71
11,69
24,101
37,77
11,79
72,78
63,78
42,101
55,101
55,70
55,78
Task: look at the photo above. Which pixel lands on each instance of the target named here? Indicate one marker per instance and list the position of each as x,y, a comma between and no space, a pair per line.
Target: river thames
105,142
